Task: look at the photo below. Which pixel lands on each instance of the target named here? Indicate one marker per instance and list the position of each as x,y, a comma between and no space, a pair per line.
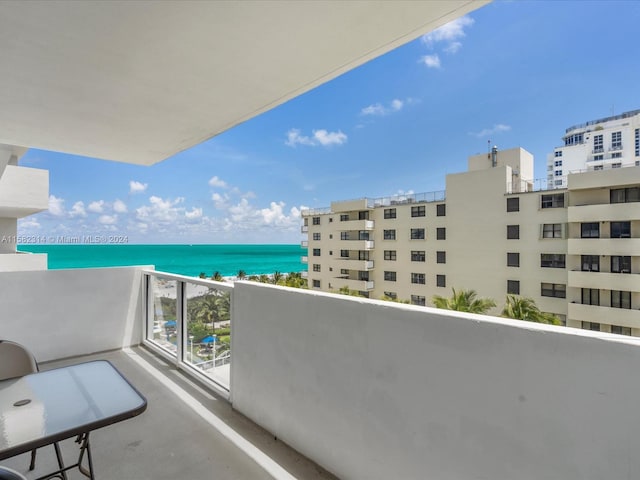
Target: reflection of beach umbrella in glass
208,339
170,323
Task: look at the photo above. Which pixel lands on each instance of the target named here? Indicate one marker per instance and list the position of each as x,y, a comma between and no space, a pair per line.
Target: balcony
22,261
352,284
610,246
365,389
607,212
605,280
23,191
357,244
354,264
623,317
304,259
345,225
304,243
304,229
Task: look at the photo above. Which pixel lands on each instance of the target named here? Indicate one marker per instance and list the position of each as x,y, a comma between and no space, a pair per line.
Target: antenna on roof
489,149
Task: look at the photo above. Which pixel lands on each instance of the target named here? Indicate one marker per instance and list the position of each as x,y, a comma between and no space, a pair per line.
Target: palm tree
241,275
202,275
464,301
217,276
254,278
522,308
263,278
276,278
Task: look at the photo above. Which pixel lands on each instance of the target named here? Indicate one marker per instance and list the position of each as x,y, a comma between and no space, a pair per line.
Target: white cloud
56,206
108,219
220,201
448,32
217,182
319,137
78,210
329,138
119,206
431,61
137,187
96,207
194,214
377,109
453,47
28,223
160,211
498,128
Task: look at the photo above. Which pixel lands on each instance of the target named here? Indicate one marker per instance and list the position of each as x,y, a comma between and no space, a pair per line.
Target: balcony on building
353,264
304,259
624,317
304,243
605,280
341,382
353,284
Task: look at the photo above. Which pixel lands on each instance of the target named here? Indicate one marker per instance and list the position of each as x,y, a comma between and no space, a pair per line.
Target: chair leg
32,465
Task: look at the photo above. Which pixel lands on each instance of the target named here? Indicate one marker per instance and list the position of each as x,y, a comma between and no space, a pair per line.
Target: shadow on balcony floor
186,432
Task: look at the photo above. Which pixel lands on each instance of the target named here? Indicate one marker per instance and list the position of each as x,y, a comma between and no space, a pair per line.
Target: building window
591,326
557,290
344,235
513,259
441,257
552,230
363,276
441,209
363,235
418,211
316,236
596,158
441,281
441,233
513,232
330,219
316,267
316,252
418,256
590,296
616,155
418,300
389,234
417,234
620,299
391,295
590,263
390,276
344,217
389,254
616,140
344,271
418,278
344,253
363,255
557,163
316,220
637,142
363,215
598,144
316,284
620,264
513,287
513,204
574,139
558,173
590,230
552,200
618,330
389,213
625,195
558,153
620,229
552,260
557,182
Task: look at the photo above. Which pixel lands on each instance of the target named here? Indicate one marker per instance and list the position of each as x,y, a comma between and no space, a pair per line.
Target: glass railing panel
163,328
208,330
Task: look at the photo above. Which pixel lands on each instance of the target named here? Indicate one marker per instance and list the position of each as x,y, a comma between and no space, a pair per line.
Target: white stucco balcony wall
23,191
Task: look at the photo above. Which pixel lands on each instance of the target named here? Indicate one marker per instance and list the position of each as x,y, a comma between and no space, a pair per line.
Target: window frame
513,232
418,278
417,234
390,213
513,259
418,211
513,204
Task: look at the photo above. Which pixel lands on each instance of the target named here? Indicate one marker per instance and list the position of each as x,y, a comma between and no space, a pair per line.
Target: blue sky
514,73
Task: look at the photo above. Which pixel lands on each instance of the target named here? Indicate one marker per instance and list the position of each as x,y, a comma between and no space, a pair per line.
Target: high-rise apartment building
610,142
575,251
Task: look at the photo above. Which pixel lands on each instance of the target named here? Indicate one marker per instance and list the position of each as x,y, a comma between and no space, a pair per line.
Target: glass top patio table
45,407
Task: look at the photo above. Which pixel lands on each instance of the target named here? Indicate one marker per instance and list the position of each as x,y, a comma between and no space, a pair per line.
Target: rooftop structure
609,142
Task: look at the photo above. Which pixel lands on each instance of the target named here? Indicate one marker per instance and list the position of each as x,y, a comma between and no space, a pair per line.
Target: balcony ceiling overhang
139,81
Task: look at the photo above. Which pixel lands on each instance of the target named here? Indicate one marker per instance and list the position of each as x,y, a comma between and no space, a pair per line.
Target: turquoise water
182,259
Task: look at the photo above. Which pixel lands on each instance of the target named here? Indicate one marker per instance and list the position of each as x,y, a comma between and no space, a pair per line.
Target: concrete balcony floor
186,432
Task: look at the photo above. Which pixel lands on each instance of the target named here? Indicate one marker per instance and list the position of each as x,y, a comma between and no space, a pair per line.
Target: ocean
188,260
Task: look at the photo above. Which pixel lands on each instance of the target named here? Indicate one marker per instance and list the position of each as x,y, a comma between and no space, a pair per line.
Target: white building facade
610,142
